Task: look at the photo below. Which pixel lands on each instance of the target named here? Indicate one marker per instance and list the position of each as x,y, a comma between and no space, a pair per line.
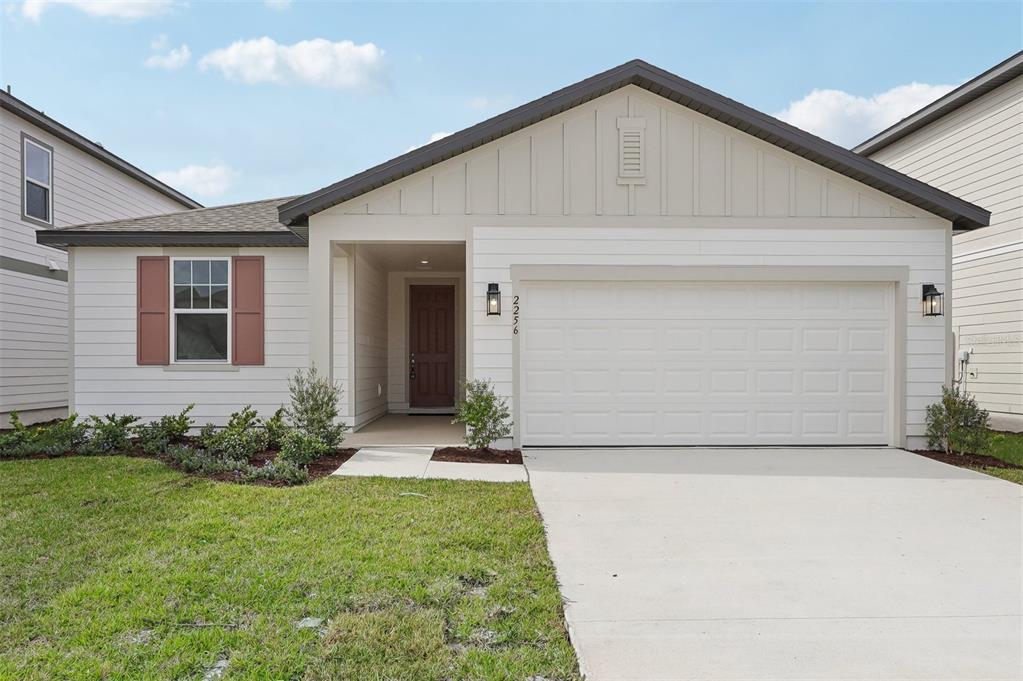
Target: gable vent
631,161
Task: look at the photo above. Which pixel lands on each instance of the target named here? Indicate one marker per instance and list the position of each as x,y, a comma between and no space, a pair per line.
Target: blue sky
313,92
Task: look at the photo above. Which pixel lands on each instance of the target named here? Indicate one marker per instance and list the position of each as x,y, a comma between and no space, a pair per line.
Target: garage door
705,363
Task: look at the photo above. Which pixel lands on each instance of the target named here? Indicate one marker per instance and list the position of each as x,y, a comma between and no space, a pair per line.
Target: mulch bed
966,460
320,468
470,455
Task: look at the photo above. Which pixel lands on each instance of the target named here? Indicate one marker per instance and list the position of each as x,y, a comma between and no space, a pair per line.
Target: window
201,303
37,187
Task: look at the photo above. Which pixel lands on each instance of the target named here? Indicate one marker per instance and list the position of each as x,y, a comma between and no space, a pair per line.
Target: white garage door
705,363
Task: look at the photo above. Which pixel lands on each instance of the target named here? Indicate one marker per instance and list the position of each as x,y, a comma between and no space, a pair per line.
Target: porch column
321,303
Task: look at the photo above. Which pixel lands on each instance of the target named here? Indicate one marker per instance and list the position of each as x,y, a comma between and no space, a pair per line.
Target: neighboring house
632,260
52,177
970,143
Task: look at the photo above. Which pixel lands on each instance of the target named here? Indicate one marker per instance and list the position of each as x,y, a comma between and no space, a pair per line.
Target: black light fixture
493,299
933,301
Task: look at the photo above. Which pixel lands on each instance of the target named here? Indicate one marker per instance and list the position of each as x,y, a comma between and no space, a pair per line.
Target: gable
629,152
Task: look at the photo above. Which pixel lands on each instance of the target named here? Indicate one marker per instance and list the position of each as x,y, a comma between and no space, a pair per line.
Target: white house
52,177
632,260
970,143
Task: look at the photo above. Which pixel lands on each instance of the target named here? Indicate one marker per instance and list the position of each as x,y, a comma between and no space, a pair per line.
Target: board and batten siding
33,310
976,153
106,378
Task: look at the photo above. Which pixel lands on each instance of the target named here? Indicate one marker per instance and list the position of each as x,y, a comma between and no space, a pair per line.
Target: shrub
63,437
957,424
279,471
13,442
109,435
485,415
276,430
239,440
153,437
313,407
301,448
200,461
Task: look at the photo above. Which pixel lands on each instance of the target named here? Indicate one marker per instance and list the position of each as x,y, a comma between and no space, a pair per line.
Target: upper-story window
37,180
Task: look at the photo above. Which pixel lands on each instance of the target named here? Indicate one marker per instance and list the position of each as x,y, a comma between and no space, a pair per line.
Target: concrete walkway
403,430
414,462
783,564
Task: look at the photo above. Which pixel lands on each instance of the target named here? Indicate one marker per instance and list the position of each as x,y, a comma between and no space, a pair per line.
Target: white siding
341,346
976,153
33,319
106,377
370,340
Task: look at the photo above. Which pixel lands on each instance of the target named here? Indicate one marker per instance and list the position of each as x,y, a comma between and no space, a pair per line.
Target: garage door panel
704,363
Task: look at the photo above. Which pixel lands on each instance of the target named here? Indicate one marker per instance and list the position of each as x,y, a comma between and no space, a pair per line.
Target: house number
515,314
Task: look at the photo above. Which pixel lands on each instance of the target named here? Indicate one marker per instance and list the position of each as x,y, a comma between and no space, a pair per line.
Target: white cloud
211,180
171,59
342,65
433,138
849,119
116,9
277,4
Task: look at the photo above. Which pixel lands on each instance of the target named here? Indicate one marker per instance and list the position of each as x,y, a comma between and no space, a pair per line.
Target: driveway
783,564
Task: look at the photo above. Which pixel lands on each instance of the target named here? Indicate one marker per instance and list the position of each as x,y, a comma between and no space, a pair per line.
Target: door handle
412,366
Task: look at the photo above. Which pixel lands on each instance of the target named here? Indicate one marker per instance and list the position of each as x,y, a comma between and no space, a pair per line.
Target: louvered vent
631,162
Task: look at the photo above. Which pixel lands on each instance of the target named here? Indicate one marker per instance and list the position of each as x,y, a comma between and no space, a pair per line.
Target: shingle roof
994,77
252,223
39,119
964,215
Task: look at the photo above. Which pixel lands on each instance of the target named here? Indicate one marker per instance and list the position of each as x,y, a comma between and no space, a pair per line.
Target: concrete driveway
783,564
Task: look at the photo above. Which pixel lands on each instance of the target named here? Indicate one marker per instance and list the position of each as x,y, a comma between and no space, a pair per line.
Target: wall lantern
934,301
493,300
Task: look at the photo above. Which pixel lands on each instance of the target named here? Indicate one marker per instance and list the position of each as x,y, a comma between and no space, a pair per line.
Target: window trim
220,310
27,139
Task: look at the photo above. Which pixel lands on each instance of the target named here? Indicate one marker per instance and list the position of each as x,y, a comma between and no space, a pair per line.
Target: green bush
956,424
155,436
243,436
14,442
200,461
313,407
485,415
109,435
63,437
301,449
276,429
286,472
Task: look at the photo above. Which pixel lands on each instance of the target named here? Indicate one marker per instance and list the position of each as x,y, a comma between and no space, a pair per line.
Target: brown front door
431,346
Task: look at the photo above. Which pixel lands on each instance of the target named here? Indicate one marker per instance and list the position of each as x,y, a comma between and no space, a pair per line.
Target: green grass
1009,448
108,564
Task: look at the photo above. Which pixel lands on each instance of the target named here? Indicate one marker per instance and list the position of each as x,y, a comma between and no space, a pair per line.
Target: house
52,177
968,143
632,260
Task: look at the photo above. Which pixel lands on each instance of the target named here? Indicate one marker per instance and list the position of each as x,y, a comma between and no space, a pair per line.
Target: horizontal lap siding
976,153
107,378
370,340
340,349
496,249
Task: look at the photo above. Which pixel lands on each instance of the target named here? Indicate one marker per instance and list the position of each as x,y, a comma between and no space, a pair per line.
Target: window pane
37,202
200,336
219,272
37,163
182,271
183,296
201,297
219,298
200,271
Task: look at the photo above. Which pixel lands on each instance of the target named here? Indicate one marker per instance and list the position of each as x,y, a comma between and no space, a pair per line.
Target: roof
240,224
961,96
62,132
964,215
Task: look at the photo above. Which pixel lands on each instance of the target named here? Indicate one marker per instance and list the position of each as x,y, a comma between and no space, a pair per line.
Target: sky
239,101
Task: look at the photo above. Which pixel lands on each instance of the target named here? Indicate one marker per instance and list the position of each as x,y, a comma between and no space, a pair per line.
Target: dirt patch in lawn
966,460
470,455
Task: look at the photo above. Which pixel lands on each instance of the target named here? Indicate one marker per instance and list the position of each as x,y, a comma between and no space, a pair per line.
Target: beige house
631,260
970,143
52,177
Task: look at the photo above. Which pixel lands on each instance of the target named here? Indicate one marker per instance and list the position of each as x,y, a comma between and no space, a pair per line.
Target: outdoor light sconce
493,300
934,301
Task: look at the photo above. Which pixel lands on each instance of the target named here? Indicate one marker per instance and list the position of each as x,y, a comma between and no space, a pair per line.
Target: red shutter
153,294
247,309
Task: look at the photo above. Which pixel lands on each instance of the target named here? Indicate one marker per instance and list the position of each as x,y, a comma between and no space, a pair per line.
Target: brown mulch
470,455
963,460
320,468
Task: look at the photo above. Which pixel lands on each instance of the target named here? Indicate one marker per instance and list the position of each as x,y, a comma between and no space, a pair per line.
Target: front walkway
783,564
408,431
414,462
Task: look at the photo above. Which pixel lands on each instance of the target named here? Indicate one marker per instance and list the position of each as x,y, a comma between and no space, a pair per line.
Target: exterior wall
33,309
106,378
370,340
976,153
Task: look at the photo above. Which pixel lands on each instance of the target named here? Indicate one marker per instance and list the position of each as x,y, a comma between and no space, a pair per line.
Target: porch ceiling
409,257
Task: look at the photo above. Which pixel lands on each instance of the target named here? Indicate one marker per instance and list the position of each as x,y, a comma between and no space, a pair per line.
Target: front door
431,347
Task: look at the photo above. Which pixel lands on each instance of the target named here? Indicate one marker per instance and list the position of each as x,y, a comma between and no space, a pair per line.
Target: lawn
115,567
1007,447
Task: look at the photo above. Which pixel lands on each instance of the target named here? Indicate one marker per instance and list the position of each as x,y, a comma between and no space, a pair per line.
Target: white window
37,187
201,304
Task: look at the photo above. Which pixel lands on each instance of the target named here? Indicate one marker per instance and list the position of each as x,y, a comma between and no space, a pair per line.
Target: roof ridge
189,211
